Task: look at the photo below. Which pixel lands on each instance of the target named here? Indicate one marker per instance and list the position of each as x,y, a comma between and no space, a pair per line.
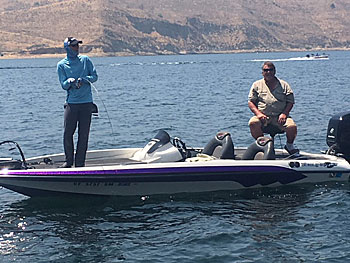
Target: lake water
192,97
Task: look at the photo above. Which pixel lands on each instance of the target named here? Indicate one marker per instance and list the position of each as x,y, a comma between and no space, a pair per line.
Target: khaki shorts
273,121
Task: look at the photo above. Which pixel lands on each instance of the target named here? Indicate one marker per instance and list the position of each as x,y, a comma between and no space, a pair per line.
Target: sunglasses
268,69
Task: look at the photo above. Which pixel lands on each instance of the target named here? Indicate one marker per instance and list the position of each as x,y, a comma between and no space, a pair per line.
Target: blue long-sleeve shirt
77,67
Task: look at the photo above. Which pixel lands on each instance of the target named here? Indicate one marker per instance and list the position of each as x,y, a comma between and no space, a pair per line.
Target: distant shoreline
125,54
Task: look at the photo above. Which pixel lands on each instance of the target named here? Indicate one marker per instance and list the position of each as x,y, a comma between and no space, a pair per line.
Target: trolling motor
338,135
9,162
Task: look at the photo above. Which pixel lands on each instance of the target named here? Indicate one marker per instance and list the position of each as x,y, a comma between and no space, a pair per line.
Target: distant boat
308,57
317,56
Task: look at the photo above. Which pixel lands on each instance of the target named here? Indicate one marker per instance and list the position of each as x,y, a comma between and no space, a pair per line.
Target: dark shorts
273,121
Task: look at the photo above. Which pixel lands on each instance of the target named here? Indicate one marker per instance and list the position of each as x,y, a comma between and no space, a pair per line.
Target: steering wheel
180,145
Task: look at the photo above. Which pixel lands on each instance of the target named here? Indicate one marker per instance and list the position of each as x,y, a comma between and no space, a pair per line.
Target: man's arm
92,77
255,110
64,81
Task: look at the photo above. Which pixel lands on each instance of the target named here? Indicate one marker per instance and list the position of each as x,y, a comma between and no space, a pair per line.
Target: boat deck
89,163
115,160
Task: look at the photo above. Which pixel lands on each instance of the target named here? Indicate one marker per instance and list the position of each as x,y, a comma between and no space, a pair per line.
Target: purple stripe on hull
247,176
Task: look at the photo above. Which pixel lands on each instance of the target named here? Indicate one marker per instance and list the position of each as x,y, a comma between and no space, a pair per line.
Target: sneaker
294,151
65,165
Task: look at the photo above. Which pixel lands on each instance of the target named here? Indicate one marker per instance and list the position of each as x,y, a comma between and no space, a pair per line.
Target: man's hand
79,82
261,116
282,118
71,80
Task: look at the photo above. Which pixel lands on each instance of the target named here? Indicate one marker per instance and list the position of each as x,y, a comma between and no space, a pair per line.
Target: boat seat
262,149
272,130
221,146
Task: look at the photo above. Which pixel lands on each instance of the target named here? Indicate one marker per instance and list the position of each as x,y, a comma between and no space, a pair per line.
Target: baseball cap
71,41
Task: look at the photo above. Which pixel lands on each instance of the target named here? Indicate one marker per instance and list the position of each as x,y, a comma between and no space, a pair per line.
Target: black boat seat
272,130
221,146
263,149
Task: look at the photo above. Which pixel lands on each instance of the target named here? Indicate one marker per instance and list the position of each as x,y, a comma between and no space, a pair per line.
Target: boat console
160,149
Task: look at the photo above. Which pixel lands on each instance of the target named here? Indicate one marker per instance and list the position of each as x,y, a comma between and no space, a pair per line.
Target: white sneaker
293,151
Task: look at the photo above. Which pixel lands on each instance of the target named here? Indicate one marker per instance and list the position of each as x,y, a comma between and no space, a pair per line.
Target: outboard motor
338,134
159,149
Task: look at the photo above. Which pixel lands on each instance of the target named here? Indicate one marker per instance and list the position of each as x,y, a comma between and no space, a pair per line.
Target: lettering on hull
99,184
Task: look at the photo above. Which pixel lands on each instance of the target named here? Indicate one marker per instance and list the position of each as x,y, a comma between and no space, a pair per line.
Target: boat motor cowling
338,133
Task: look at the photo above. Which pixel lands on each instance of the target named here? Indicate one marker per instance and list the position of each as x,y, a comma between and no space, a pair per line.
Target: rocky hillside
111,27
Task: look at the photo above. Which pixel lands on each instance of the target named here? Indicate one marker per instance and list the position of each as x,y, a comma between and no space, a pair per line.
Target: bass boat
167,166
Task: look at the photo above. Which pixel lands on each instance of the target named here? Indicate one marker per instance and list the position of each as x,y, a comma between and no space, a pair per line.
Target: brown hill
30,27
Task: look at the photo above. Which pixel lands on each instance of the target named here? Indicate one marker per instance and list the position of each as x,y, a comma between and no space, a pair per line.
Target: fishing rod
96,110
81,78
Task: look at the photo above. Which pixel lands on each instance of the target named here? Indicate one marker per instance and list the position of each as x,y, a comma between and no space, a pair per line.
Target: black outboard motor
338,134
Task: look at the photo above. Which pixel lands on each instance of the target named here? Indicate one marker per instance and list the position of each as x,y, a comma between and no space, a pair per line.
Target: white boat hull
172,177
168,167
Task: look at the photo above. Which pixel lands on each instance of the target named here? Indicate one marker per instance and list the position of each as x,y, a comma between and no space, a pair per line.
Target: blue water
192,97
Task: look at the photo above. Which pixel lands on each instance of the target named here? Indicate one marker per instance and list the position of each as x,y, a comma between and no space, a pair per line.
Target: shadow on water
87,206
81,204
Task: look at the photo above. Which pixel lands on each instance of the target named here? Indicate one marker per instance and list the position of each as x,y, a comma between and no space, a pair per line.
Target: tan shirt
271,103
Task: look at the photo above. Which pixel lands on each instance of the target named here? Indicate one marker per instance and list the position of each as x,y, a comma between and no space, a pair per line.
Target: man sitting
271,99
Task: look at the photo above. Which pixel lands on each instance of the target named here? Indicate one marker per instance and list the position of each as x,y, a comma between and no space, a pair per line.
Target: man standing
75,73
271,99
